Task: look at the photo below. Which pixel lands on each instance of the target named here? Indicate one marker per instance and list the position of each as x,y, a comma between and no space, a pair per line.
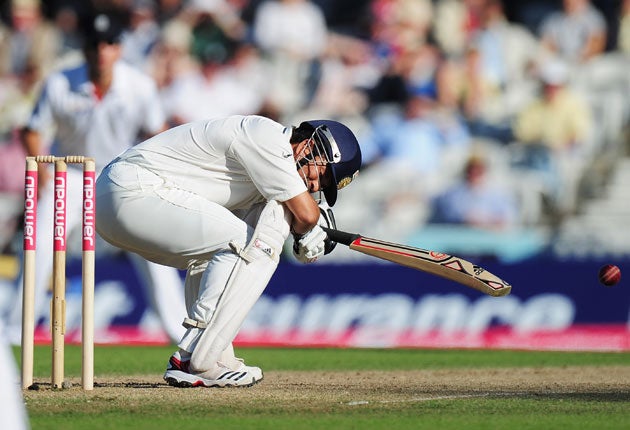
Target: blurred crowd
465,114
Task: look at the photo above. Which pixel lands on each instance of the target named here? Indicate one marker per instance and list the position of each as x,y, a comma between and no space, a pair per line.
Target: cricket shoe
178,375
176,362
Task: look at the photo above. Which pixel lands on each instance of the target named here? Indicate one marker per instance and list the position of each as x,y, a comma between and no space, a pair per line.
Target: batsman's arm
305,212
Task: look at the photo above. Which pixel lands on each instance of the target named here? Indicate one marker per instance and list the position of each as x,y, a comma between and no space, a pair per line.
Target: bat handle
341,236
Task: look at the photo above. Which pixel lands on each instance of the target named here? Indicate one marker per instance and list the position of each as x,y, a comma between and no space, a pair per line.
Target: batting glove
327,219
308,247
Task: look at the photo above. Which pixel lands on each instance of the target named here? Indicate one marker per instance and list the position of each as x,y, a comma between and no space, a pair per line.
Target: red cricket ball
609,275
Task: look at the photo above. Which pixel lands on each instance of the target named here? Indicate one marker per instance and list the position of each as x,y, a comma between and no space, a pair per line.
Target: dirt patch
308,389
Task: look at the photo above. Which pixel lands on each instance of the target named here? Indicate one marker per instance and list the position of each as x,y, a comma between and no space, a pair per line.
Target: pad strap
240,251
191,323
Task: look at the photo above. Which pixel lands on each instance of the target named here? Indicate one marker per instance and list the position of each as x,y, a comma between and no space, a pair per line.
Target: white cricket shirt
235,161
99,128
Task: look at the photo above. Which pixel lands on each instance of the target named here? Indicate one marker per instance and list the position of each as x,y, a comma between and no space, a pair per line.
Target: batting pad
254,267
194,275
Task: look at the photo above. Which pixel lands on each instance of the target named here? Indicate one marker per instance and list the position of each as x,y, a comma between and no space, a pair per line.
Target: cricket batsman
219,198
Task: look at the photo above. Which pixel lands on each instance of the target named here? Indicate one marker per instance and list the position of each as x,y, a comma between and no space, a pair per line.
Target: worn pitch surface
324,389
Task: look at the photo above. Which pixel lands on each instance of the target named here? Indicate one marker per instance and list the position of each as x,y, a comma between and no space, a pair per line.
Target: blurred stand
424,84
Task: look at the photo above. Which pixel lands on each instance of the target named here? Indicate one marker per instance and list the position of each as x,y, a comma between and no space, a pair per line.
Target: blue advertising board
553,305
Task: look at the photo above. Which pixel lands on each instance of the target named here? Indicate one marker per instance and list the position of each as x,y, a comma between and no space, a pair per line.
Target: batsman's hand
327,219
309,246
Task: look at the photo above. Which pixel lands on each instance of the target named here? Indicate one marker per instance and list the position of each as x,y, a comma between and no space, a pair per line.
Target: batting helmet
343,153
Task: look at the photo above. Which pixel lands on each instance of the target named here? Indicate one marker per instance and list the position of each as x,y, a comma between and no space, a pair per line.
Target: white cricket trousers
141,212
138,211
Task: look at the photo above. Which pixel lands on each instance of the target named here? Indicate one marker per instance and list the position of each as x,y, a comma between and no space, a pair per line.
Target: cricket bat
434,262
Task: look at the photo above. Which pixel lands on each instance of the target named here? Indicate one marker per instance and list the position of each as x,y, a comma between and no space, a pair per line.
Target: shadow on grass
129,384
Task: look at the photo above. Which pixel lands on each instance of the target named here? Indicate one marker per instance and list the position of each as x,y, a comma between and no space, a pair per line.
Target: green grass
121,360
231,409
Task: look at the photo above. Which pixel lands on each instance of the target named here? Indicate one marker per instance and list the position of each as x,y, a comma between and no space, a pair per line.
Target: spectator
67,21
168,10
17,96
349,69
292,35
456,21
577,33
421,137
212,22
143,33
399,36
221,86
294,27
553,134
476,201
498,81
30,40
416,150
170,58
401,24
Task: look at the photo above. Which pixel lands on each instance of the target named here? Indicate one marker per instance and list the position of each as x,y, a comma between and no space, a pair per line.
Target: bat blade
434,262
